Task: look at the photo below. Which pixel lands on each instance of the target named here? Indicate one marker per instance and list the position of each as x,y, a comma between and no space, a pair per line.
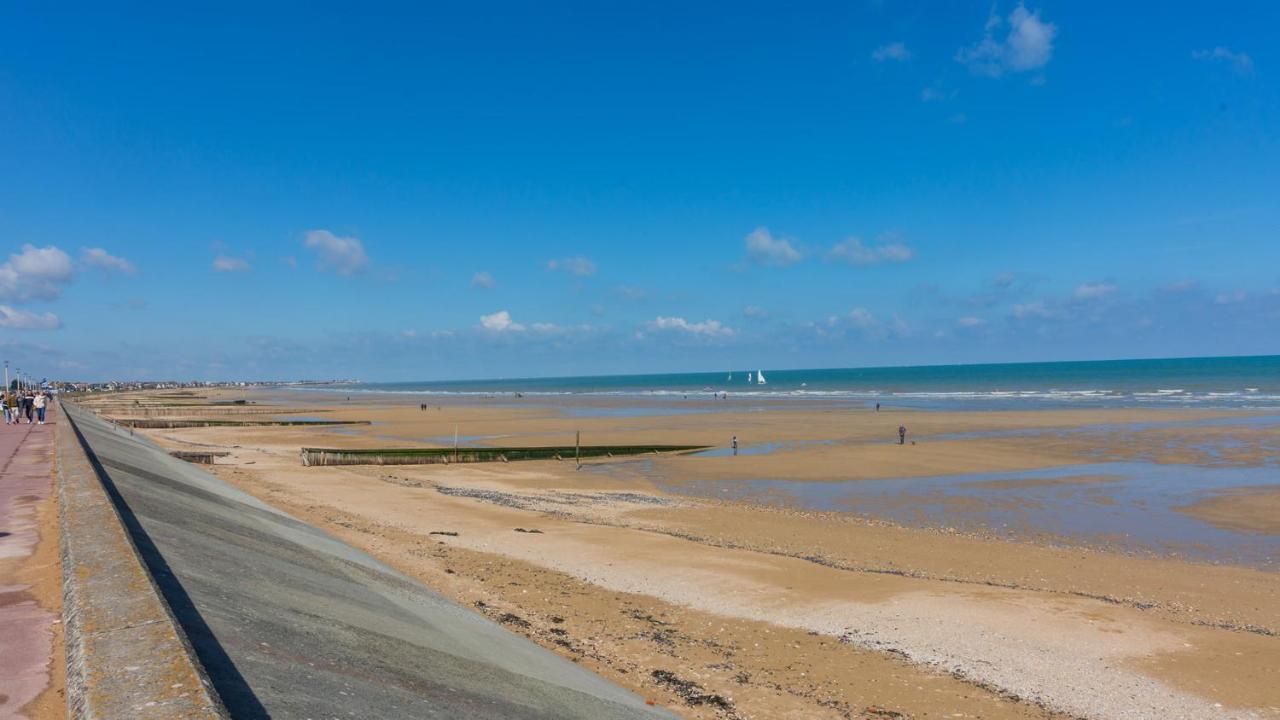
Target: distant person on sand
735,444
902,434
877,407
39,401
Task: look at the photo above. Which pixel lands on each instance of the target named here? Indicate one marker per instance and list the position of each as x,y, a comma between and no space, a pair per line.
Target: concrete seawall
289,622
126,655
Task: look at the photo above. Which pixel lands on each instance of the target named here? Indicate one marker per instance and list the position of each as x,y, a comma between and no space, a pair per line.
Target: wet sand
724,609
1251,510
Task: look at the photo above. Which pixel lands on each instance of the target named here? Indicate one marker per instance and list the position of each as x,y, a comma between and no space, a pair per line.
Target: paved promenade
291,623
26,628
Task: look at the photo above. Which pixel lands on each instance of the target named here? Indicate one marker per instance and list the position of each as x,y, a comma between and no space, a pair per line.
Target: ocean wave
1052,396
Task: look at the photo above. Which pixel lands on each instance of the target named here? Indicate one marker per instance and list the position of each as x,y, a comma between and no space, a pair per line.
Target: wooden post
455,442
577,448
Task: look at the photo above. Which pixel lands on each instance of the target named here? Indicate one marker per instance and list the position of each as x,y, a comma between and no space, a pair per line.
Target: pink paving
26,463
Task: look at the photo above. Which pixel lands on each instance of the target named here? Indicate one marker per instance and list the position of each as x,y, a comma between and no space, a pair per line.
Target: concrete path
291,623
26,480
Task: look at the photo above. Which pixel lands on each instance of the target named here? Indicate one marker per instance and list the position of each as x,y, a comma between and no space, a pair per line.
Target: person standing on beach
902,434
39,401
735,444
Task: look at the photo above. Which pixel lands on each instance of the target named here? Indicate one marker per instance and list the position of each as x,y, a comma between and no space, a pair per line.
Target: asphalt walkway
26,480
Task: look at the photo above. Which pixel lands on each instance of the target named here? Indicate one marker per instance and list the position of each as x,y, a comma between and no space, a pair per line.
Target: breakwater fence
445,456
199,457
170,424
149,411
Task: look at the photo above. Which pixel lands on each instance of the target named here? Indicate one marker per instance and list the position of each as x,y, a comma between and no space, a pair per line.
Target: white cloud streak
706,328
764,249
105,261
1094,290
887,250
35,274
500,322
1028,45
483,280
342,255
226,264
24,320
892,51
577,265
1238,61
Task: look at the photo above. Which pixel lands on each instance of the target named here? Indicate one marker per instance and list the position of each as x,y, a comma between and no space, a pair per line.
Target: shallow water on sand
1123,505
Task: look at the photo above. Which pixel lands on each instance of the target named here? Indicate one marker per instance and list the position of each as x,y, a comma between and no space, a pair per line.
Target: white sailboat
760,378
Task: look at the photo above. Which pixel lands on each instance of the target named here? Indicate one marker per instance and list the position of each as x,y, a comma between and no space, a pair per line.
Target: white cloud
861,318
24,320
483,280
970,322
1231,298
871,327
764,249
887,250
1028,45
1239,62
344,256
500,322
892,51
578,265
707,328
223,263
755,311
105,261
1035,309
35,274
1094,291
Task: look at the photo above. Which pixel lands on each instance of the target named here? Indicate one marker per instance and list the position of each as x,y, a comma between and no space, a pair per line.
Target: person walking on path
28,406
5,398
39,401
902,434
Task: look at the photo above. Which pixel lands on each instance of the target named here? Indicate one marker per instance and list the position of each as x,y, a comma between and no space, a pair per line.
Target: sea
1211,382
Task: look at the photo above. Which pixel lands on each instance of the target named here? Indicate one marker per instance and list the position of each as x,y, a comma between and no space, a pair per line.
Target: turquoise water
1202,382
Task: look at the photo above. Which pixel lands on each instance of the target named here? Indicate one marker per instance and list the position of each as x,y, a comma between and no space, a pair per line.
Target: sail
760,378
748,377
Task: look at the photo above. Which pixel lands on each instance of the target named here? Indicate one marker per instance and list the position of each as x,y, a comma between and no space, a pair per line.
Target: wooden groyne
189,410
444,456
199,457
162,423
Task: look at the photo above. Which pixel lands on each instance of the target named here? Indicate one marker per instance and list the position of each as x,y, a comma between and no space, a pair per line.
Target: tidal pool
1121,505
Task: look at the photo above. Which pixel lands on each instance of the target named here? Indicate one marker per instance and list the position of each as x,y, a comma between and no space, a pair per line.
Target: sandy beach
1042,563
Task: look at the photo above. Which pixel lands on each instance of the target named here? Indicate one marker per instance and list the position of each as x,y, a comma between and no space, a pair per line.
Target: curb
126,656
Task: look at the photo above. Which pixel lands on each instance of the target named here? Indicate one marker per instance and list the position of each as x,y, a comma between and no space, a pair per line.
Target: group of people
28,404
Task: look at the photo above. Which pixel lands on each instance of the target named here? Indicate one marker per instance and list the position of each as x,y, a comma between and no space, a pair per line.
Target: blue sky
399,192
